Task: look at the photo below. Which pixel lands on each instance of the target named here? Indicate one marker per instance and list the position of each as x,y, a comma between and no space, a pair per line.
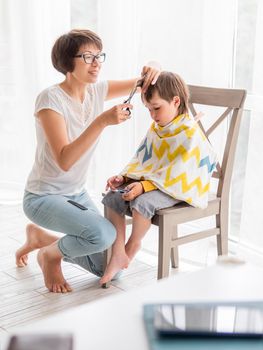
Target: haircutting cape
177,158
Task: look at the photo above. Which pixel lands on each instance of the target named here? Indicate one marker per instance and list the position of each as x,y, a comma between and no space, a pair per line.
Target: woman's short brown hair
67,46
167,86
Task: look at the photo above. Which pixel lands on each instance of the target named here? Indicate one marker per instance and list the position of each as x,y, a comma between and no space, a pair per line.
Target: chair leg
222,238
174,250
107,255
165,236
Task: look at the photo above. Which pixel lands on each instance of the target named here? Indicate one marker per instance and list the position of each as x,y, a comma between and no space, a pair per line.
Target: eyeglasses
90,58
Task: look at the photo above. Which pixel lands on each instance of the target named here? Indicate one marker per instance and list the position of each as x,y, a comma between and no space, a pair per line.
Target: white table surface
116,321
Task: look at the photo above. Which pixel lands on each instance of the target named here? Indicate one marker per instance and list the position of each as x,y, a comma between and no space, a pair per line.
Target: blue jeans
87,232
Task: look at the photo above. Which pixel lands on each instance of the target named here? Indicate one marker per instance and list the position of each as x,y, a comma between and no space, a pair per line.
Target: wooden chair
168,219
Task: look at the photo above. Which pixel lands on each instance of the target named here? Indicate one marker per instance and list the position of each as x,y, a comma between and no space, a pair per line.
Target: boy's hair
68,45
167,86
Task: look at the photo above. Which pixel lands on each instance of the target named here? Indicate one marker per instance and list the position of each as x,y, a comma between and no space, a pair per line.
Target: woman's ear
176,101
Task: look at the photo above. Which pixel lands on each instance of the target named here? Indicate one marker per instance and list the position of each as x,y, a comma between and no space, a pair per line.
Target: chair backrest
233,101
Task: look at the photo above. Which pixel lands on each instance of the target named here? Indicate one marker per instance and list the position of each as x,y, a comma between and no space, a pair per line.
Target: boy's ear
176,101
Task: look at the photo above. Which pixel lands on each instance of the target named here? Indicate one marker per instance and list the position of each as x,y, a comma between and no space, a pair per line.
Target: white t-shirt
46,176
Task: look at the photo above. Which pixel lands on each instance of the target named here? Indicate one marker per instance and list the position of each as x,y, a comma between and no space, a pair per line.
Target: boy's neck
171,121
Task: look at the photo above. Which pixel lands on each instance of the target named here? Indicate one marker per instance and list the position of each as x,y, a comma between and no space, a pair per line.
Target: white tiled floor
24,298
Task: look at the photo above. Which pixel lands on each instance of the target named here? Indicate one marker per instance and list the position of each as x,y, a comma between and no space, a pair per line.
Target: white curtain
120,33
252,219
28,29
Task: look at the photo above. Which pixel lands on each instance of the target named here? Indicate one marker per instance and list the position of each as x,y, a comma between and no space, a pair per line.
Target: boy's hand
114,182
135,190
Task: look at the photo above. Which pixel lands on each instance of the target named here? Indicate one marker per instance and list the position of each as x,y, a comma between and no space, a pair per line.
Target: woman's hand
114,182
135,190
116,115
150,72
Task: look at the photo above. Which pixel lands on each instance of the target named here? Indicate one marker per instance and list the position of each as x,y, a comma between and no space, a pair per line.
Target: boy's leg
140,225
119,259
143,209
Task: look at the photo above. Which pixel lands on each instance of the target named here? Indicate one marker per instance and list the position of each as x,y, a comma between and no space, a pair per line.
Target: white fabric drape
252,219
120,33
28,29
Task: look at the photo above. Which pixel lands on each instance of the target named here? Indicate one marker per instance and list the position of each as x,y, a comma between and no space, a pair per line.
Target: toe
19,263
51,288
104,279
63,289
56,288
24,260
67,287
59,289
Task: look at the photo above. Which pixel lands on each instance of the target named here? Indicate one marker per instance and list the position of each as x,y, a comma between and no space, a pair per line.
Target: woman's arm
118,88
65,153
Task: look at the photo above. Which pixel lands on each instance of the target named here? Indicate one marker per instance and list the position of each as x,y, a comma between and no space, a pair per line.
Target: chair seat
184,212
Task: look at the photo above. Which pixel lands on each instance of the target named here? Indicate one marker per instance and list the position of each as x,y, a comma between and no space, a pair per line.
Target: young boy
173,163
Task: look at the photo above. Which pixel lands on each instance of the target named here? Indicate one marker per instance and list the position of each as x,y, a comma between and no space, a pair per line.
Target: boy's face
162,112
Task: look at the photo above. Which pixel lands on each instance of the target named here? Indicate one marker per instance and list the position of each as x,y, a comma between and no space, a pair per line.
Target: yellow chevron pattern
189,200
188,131
132,167
185,186
180,150
169,166
141,171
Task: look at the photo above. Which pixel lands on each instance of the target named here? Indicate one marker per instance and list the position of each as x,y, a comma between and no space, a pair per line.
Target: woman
69,121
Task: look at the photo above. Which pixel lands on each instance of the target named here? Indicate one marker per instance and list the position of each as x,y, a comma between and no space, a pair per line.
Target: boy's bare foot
117,263
132,248
49,259
36,238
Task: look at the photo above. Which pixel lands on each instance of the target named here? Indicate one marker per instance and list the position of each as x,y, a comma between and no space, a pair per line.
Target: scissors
139,83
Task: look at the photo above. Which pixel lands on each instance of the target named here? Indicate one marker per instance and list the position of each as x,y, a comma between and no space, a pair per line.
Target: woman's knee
105,234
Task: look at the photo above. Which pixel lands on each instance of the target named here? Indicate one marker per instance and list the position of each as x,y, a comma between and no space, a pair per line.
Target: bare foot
132,248
117,263
36,238
49,259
